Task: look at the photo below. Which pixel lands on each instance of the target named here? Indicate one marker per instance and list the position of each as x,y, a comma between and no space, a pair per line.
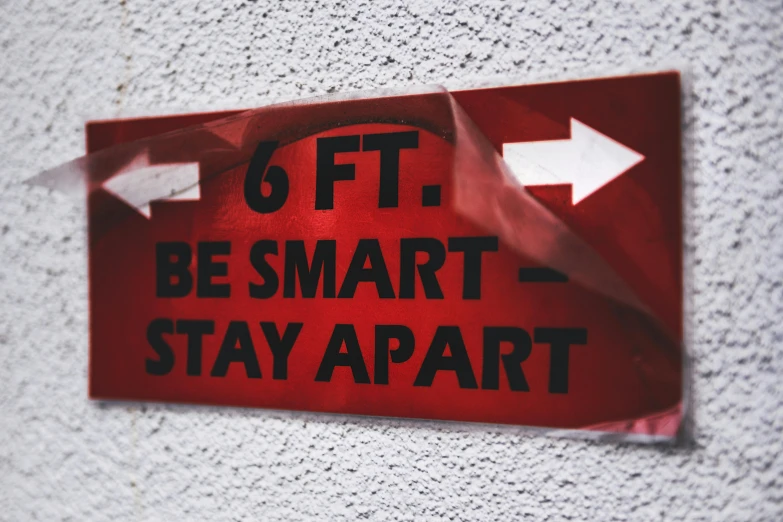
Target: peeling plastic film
628,337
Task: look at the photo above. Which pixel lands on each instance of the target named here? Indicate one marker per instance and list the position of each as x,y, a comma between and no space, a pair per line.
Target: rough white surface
65,458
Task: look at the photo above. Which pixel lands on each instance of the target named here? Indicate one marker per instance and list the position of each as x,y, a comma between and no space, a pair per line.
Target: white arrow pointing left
141,185
587,161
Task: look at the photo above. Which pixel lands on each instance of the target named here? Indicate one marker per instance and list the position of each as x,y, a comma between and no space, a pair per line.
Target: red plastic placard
602,277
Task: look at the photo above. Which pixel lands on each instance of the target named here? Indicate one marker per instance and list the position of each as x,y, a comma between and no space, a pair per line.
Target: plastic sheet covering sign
506,255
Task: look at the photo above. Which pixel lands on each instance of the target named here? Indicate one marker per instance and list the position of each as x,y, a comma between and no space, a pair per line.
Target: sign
365,265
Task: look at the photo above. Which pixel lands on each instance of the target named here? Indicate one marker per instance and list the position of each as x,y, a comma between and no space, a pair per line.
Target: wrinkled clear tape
486,191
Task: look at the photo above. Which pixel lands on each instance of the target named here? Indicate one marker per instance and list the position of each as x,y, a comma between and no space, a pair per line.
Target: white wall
65,458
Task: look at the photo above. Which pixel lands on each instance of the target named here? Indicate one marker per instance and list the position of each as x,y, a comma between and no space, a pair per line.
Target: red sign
376,257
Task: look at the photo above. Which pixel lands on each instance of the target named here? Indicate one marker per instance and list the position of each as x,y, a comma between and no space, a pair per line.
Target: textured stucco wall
65,458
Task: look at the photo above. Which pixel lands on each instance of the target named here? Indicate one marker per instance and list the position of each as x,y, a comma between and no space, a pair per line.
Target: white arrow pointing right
587,161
